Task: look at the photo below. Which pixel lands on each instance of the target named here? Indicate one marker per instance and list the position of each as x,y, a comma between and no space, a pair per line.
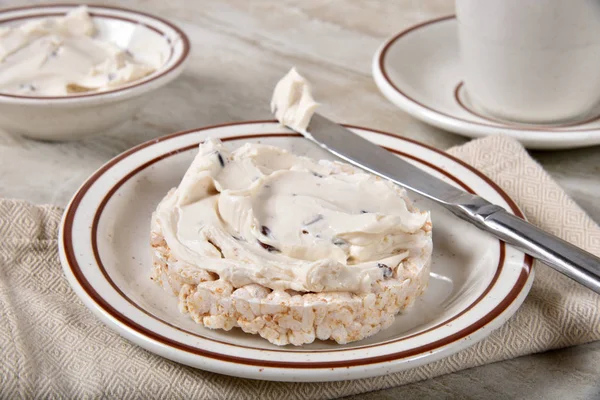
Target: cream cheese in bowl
69,72
59,56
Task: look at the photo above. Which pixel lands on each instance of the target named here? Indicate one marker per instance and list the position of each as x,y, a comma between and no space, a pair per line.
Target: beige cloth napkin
52,346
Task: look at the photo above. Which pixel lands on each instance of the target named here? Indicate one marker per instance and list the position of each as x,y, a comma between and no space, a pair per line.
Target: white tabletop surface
239,50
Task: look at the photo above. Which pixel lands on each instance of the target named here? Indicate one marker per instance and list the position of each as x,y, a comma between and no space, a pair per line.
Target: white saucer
476,281
419,71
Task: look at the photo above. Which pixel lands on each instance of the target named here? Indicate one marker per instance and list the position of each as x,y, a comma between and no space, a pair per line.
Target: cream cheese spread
263,215
58,56
292,101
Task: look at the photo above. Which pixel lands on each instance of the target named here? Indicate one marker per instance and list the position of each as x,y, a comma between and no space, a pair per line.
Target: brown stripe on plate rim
76,270
151,77
501,124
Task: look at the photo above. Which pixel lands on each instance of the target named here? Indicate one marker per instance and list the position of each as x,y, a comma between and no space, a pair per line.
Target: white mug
533,61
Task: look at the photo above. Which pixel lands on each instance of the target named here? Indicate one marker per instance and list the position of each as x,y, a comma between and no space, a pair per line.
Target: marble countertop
240,49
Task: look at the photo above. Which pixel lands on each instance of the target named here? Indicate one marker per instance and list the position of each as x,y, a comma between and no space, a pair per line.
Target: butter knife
566,258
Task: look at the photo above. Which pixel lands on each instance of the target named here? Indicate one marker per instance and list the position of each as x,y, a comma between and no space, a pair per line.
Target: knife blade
566,258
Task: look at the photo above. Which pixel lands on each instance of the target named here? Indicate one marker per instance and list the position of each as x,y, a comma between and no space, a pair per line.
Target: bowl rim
161,74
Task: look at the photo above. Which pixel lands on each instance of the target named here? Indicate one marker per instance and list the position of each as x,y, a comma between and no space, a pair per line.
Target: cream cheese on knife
292,102
59,56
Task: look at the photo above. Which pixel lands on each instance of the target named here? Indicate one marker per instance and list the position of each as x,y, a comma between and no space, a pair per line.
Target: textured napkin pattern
52,346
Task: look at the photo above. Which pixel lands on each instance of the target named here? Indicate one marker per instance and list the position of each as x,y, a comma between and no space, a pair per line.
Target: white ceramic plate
419,71
477,282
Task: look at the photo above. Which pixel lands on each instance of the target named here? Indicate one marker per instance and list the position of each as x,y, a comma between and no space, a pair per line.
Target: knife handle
577,264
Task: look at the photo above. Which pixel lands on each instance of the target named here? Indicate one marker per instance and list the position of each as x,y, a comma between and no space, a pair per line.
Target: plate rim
533,136
68,259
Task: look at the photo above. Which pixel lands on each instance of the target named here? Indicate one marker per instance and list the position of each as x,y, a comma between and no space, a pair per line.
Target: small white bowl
150,38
